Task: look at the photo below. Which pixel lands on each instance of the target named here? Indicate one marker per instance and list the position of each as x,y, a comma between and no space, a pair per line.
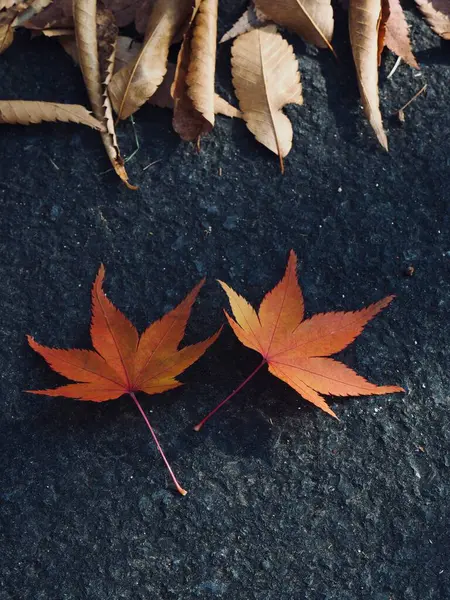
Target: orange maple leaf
297,351
123,362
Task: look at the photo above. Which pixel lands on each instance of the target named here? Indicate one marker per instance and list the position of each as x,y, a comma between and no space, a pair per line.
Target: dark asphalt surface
284,502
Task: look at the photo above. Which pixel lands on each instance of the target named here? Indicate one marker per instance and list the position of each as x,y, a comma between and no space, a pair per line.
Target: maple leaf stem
238,389
166,462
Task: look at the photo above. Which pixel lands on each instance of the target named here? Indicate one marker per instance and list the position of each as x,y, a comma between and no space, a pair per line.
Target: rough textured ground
284,503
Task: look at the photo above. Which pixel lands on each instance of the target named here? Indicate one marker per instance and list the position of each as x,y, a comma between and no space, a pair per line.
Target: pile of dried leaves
122,74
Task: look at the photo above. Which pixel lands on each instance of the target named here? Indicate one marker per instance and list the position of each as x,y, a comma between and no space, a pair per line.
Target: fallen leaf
61,32
135,83
397,34
123,362
222,107
142,9
163,97
251,19
202,63
23,112
126,50
34,9
364,22
86,24
437,15
6,37
193,86
123,10
57,15
296,350
266,78
310,19
7,4
10,11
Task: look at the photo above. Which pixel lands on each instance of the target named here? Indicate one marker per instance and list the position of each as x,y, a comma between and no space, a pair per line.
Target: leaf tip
129,185
397,388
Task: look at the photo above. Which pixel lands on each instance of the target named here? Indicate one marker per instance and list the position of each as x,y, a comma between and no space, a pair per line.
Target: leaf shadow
249,424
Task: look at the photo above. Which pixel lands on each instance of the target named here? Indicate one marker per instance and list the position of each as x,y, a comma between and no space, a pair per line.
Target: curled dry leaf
251,19
266,78
142,10
123,10
34,9
202,64
23,112
9,13
85,16
437,15
163,97
55,16
397,34
6,37
364,22
7,4
193,87
135,83
310,19
126,50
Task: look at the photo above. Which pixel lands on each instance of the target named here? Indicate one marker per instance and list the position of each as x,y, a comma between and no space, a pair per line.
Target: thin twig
136,139
421,91
395,67
152,163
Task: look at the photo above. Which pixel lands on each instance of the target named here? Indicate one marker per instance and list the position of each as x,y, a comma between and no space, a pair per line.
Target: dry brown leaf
222,107
34,9
266,78
193,87
8,14
202,63
53,32
123,10
7,4
187,121
310,19
251,19
437,15
23,112
143,8
397,34
85,16
6,37
163,97
126,51
55,16
135,83
364,21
